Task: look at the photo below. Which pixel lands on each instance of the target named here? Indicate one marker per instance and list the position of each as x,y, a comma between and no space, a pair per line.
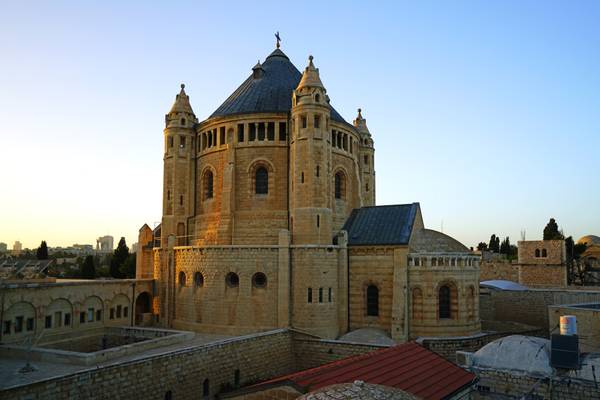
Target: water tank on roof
568,325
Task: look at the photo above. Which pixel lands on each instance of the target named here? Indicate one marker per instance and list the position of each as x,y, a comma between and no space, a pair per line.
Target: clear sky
487,113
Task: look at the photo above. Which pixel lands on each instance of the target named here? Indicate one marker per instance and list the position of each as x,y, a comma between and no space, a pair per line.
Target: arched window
544,253
309,295
208,185
417,304
259,280
262,181
232,280
317,98
444,302
205,388
537,252
372,301
181,278
183,121
340,185
168,395
198,279
471,303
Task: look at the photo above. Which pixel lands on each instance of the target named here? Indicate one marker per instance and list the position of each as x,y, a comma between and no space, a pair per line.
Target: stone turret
178,184
310,161
366,161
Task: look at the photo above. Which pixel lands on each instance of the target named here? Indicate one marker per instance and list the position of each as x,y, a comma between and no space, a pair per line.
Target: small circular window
181,278
198,279
259,280
232,279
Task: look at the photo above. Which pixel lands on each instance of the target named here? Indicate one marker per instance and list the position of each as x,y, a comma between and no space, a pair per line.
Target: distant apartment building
3,247
105,244
17,247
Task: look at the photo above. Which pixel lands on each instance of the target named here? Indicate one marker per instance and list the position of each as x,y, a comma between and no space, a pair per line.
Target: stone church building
269,220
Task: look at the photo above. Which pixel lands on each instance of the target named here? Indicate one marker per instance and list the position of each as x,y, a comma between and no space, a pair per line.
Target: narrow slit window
282,131
240,131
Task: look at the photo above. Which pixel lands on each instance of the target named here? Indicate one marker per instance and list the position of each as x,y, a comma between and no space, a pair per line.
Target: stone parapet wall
498,270
516,385
530,306
256,357
311,352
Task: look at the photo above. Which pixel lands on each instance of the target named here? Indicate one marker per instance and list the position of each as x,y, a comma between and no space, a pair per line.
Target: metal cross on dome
278,39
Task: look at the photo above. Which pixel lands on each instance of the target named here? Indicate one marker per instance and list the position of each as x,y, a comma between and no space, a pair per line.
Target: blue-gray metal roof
272,92
381,225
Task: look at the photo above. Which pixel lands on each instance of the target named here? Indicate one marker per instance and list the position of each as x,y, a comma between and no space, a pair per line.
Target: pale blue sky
487,113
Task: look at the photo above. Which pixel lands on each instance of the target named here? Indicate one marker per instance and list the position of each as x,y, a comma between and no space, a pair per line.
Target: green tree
128,267
494,244
88,269
42,251
482,246
118,259
551,231
505,247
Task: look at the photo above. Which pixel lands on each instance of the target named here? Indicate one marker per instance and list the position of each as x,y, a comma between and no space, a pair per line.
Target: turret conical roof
310,77
182,102
271,92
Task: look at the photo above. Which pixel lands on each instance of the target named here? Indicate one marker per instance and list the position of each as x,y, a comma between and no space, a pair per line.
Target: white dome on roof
526,354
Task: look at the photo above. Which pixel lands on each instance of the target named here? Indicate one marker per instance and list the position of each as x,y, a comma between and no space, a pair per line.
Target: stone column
341,297
284,281
400,305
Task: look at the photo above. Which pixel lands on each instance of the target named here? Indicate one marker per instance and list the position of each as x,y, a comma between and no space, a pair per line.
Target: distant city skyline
487,112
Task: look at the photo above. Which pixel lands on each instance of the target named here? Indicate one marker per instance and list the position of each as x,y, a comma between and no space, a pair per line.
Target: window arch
208,184
205,388
447,301
259,280
471,303
340,185
261,185
317,98
198,279
544,253
444,302
417,304
181,278
232,279
537,252
372,300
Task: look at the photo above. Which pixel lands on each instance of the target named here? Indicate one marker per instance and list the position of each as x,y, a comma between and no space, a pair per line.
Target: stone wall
311,352
66,306
535,275
183,373
492,270
530,306
206,301
517,385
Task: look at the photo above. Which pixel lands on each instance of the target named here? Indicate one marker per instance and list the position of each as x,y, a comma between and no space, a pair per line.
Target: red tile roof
409,367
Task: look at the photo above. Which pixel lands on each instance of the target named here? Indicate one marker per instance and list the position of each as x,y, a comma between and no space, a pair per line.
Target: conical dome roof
270,92
182,102
310,77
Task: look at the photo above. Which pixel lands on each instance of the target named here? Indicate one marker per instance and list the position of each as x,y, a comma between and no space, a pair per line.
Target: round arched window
232,279
198,279
259,280
181,278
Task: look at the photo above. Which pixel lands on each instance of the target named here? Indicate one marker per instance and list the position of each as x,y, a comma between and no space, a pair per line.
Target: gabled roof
381,225
270,93
409,367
